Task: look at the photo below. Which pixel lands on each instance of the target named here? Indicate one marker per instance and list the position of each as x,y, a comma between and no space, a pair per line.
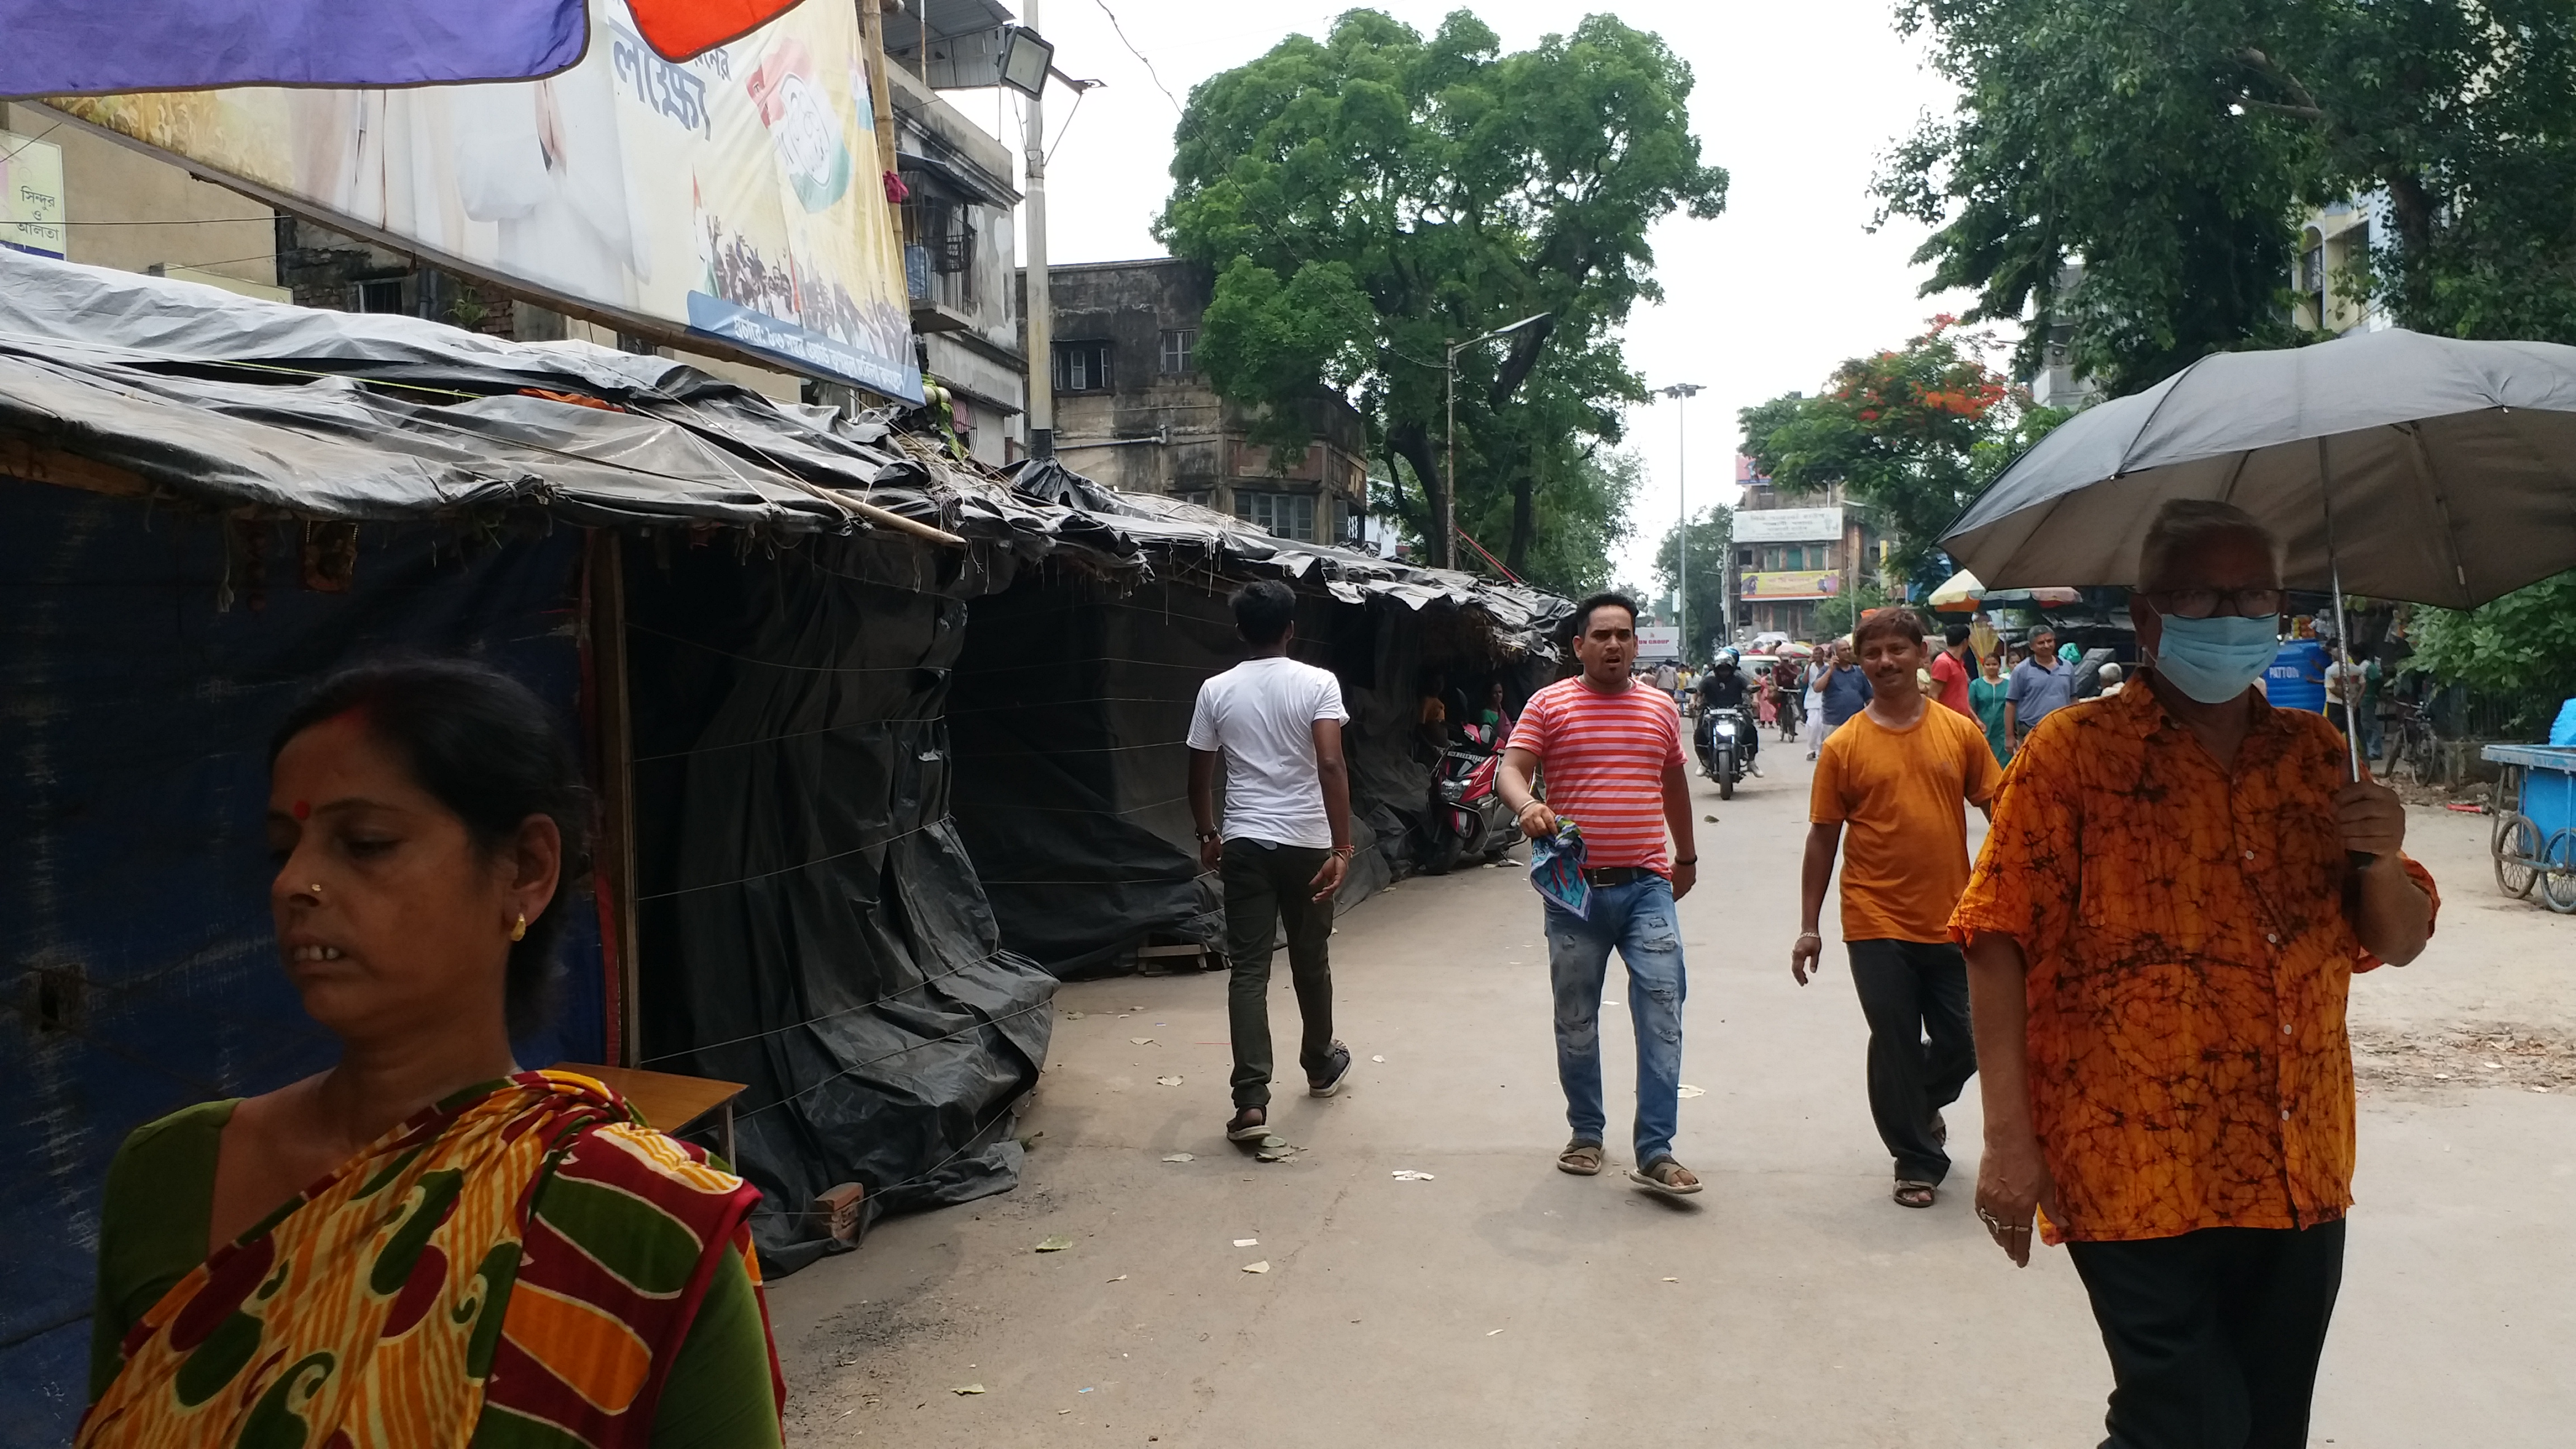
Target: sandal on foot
1250,1124
1666,1176
1337,1070
1913,1194
1581,1158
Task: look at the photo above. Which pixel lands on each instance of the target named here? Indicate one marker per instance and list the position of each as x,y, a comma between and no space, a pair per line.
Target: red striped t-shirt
1605,757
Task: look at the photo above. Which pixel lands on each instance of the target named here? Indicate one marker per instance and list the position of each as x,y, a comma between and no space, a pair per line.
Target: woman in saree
425,1246
1986,696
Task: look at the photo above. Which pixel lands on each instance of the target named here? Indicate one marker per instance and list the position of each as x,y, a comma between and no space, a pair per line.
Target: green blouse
152,1233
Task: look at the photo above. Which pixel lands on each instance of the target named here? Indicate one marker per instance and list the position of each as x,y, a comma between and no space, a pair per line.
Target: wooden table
667,1101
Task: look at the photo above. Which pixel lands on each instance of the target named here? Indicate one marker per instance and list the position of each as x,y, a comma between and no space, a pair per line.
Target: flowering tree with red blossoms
1911,434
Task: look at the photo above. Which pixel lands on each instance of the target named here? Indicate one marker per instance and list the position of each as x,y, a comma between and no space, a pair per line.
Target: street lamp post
1444,554
1681,393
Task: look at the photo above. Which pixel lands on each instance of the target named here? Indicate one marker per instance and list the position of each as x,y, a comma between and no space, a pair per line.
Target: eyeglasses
2212,603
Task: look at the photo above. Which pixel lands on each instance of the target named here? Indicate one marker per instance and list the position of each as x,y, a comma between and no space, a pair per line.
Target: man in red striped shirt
1612,749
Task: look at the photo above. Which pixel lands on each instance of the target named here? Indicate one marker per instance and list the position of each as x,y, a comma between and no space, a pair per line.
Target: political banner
1793,584
735,195
1788,525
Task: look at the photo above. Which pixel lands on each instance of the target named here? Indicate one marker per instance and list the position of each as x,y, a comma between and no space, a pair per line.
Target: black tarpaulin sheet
140,965
810,922
1071,716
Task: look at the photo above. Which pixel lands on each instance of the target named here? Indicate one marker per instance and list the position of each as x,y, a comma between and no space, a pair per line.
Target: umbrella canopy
2446,470
1962,591
1960,588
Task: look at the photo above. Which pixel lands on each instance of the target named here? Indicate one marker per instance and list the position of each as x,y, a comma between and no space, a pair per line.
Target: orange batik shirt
2189,961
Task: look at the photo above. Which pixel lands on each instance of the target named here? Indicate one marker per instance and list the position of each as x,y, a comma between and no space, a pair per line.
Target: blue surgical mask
2213,660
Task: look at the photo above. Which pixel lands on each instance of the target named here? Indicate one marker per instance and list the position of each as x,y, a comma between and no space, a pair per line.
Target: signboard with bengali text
1788,525
1796,584
31,196
735,195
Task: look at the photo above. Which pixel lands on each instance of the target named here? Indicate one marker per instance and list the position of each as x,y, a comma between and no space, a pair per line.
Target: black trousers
1266,885
1921,1051
2214,1335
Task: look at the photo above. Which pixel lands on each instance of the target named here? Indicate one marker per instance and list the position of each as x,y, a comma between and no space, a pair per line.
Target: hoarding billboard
31,196
1788,525
1795,584
735,195
1659,641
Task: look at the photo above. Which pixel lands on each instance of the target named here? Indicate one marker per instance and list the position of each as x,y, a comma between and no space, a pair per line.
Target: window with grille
1082,366
1179,343
1285,515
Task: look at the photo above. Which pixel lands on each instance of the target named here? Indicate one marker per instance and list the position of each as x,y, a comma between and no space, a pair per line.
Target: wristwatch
1209,834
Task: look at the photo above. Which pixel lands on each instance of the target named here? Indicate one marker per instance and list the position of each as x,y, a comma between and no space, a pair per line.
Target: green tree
1835,616
1911,433
1366,199
2522,645
1582,504
2168,145
1712,539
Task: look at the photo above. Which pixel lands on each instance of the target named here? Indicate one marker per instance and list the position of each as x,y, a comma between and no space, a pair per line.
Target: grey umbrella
2427,468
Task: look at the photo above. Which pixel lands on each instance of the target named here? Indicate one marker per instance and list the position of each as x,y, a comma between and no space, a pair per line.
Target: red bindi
303,810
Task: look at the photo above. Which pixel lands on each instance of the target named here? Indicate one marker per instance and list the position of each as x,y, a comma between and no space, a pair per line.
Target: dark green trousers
1266,885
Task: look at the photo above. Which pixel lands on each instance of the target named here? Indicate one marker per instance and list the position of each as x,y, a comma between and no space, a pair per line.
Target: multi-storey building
1133,411
1793,551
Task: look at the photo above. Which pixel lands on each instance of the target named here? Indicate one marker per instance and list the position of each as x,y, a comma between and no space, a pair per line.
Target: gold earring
519,932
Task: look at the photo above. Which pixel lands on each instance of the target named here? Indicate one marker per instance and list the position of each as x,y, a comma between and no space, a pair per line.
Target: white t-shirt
1261,716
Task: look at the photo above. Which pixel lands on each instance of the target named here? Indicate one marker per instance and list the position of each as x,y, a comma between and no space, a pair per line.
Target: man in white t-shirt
1284,845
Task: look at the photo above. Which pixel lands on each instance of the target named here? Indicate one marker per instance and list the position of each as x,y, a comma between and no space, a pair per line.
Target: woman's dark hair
483,745
1263,610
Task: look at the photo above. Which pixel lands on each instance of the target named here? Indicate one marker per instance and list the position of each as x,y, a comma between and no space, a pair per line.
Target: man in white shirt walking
1284,845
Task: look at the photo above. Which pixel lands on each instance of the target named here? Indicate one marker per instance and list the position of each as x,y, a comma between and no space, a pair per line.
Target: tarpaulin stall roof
1072,702
242,518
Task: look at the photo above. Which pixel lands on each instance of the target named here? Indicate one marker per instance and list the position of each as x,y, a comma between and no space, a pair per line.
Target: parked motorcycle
1726,746
1468,821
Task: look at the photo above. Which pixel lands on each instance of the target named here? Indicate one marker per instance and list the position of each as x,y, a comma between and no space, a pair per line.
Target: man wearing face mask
2161,933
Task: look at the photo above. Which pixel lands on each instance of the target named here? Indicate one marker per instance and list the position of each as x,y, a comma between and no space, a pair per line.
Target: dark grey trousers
1921,1051
1266,885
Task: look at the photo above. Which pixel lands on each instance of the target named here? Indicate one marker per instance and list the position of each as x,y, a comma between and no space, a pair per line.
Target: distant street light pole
1444,554
1681,393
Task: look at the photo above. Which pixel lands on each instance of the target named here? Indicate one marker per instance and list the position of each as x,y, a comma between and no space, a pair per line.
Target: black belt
1619,875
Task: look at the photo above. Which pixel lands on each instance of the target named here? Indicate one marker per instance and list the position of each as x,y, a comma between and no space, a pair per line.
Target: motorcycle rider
1725,687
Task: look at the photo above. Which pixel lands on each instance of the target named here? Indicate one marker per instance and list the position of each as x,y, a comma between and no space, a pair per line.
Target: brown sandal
1913,1194
1665,1175
1581,1158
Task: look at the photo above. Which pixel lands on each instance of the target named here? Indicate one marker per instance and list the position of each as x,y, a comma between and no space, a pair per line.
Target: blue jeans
1641,921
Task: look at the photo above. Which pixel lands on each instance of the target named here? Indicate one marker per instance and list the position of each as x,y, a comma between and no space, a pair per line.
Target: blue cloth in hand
1556,868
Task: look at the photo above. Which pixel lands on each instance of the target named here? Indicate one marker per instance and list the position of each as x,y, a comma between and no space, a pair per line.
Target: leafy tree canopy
2168,145
1910,434
1368,198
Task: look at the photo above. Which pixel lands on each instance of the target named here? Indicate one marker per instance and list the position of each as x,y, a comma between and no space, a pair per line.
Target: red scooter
1468,821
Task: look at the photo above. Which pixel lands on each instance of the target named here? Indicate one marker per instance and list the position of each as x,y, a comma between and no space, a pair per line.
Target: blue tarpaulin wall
136,953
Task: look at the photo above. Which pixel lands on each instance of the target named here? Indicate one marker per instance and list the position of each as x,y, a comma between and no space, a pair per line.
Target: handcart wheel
2558,873
2517,855
2507,804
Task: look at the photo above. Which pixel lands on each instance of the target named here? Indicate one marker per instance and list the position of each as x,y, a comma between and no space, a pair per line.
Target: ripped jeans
1641,921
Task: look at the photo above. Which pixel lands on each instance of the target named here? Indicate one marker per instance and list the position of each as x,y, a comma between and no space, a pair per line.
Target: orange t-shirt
1901,797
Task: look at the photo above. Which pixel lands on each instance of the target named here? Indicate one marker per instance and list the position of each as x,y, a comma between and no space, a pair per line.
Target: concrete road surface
1500,1302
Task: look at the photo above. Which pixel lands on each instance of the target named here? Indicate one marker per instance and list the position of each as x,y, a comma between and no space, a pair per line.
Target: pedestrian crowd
2144,968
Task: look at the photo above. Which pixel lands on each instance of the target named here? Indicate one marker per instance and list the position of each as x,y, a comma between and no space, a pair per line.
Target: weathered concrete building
1133,411
957,262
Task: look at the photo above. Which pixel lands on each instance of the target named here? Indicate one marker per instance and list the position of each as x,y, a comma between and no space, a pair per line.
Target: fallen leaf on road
1247,1242
1407,1174
1167,1081
969,1389
1377,1059
1274,1149
1179,1157
1261,1267
1711,819
1055,1245
1691,1091
1140,1041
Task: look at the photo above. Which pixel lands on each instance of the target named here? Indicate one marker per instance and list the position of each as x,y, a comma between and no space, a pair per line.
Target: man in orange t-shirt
1896,776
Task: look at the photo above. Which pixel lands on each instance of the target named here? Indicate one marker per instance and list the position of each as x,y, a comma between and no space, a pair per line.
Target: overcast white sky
1795,98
